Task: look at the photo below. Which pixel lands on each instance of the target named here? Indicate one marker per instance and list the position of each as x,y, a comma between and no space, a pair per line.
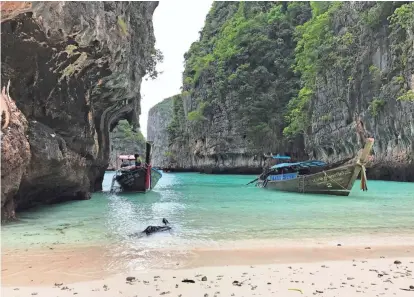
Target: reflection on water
210,210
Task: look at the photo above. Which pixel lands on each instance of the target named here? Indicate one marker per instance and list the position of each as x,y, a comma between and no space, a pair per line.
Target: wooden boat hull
338,181
136,180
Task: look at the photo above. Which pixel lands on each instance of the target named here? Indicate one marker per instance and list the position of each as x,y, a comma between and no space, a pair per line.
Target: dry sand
317,271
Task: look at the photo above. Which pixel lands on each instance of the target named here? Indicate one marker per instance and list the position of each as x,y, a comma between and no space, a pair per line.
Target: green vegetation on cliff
264,75
125,131
330,45
243,61
124,140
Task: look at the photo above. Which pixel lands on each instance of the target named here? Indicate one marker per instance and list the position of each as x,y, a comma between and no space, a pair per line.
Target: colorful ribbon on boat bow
364,186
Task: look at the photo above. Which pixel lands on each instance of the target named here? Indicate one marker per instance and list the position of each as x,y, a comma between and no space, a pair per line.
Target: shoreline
391,238
45,266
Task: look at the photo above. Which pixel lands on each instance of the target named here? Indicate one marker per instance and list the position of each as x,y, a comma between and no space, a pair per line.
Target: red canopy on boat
127,157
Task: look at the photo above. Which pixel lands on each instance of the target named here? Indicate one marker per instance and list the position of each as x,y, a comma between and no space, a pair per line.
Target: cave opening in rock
124,139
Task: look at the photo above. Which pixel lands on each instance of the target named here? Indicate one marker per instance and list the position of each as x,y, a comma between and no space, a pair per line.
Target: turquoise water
210,210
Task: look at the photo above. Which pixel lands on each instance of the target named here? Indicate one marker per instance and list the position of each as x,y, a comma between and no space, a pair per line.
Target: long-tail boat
136,178
317,177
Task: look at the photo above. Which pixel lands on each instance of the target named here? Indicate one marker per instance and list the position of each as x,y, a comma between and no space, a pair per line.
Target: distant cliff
312,79
75,70
159,117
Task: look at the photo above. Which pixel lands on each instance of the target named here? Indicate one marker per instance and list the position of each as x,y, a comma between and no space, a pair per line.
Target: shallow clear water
207,210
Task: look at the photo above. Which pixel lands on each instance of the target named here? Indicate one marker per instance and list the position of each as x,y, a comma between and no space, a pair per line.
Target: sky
176,27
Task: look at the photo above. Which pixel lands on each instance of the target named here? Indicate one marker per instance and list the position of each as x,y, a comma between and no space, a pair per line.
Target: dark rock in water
153,229
188,281
204,278
397,262
71,80
130,278
339,244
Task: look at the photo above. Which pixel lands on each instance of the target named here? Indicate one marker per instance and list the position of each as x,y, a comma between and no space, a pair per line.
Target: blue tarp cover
300,164
283,176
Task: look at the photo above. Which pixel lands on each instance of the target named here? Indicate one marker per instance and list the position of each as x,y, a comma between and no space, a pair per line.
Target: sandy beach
270,271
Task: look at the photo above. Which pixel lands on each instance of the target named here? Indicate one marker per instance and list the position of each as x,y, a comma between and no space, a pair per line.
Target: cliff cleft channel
159,117
75,70
124,141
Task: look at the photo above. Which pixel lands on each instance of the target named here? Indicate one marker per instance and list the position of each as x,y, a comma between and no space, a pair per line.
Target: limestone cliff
159,117
237,82
312,79
15,153
75,70
357,83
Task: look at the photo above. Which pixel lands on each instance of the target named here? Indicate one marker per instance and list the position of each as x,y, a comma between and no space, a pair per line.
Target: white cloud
176,27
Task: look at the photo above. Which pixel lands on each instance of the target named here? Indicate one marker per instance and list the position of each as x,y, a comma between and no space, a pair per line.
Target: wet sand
44,267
